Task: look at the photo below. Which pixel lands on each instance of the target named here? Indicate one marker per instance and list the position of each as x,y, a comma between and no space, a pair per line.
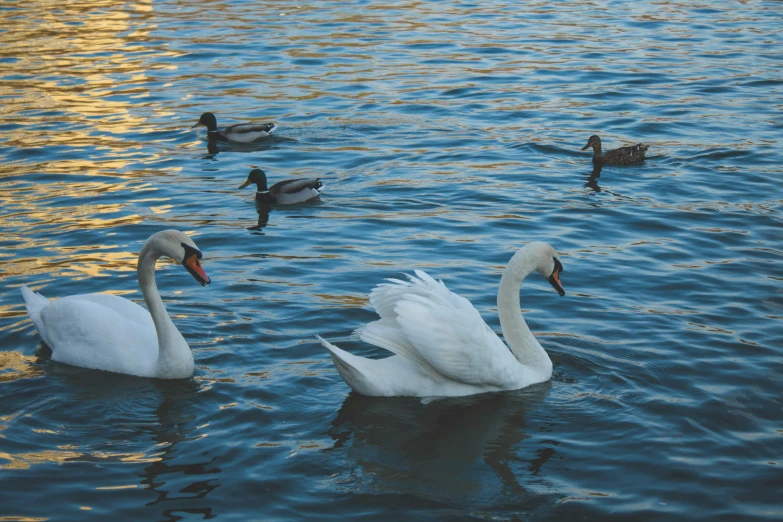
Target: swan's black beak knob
554,279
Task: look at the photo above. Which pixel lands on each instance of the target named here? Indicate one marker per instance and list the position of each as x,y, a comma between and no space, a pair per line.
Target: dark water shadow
272,142
437,450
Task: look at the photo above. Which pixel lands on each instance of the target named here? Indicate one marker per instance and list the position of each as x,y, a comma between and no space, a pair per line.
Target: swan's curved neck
173,351
520,339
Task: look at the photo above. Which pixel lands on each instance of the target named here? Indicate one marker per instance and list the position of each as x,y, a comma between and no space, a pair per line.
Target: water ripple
448,135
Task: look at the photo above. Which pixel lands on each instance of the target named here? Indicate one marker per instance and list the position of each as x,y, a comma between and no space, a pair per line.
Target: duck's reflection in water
263,210
272,142
592,181
445,449
212,147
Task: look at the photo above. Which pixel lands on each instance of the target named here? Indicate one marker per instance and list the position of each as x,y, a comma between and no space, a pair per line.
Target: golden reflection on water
75,70
89,62
80,267
26,460
16,365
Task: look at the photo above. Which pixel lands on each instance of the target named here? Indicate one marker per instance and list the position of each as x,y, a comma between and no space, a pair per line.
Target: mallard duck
286,192
621,156
111,333
241,133
442,346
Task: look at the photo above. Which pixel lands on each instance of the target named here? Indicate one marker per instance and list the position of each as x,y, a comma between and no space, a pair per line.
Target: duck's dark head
594,142
208,120
258,177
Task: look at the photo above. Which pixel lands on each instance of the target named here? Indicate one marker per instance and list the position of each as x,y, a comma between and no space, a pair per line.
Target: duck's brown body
621,156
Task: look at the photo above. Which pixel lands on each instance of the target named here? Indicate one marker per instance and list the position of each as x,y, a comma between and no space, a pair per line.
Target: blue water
448,135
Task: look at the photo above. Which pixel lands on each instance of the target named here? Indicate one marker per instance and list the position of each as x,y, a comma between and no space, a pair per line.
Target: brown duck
621,156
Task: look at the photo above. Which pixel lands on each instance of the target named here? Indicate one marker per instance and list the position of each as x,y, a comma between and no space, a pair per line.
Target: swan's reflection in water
170,479
150,432
449,449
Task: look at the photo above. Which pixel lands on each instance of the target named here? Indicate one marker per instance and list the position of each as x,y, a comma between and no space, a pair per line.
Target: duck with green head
240,133
288,192
621,156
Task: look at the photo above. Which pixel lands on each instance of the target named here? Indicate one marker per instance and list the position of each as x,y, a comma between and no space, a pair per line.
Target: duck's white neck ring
262,192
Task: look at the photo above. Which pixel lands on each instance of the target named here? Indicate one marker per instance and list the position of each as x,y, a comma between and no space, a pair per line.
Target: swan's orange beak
193,266
554,279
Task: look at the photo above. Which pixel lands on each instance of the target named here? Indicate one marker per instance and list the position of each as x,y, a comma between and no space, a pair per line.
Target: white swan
107,332
443,346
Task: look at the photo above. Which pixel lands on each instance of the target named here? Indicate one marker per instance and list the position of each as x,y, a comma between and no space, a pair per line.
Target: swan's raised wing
386,332
384,297
445,330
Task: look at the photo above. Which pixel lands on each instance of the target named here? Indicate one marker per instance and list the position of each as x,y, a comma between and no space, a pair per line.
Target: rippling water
448,136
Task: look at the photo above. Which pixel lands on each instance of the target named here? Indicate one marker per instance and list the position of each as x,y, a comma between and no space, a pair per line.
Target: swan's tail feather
34,302
351,368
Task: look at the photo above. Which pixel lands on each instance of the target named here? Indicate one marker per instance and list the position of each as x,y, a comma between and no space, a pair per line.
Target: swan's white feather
95,330
388,335
129,310
34,302
384,297
442,346
354,369
392,376
448,331
110,333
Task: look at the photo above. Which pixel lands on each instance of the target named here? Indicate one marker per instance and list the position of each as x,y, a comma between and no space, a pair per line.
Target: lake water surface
448,135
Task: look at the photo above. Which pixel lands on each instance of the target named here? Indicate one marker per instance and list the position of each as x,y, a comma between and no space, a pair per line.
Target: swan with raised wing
442,346
108,332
